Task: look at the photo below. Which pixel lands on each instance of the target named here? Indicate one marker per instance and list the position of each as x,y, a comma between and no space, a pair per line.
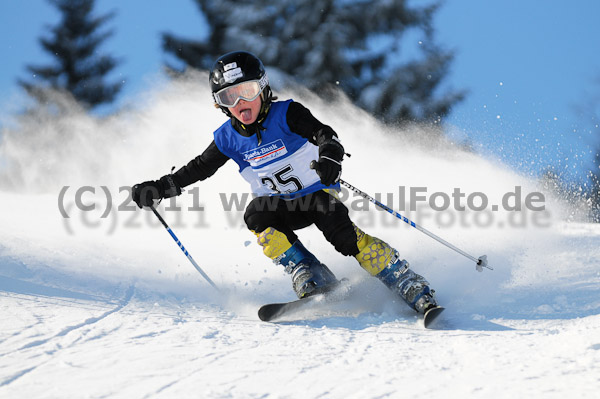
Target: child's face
246,111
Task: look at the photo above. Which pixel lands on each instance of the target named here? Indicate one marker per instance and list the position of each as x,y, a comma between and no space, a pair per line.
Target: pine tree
588,109
356,45
594,191
594,113
77,69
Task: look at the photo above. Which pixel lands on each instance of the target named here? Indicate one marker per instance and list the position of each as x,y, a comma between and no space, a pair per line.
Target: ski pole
481,262
183,249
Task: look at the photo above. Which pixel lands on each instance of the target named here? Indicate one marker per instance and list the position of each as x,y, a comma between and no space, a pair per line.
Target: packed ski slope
100,303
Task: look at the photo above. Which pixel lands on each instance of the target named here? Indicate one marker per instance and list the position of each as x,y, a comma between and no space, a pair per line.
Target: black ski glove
145,193
329,167
328,170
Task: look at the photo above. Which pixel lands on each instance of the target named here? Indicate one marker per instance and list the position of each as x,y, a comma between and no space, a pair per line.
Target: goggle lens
248,91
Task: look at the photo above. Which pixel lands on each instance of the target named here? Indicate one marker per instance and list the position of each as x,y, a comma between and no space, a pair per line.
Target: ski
431,314
274,311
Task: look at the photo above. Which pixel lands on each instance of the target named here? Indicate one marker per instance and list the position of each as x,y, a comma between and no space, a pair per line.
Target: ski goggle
248,91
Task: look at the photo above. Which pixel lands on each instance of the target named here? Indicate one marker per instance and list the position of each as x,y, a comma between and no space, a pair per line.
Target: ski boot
383,262
411,287
309,276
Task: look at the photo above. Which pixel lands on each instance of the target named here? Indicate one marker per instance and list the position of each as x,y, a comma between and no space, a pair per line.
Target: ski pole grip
314,165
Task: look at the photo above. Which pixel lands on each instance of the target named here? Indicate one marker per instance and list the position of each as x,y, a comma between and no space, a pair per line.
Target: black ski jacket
299,119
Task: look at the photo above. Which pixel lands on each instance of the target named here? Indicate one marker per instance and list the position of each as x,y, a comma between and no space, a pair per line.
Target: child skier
274,143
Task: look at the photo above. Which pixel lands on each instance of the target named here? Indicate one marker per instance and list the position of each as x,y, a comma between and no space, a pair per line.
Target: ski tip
431,314
267,312
261,315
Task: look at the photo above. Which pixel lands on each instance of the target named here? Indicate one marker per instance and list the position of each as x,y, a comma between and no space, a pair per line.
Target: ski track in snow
110,308
166,349
50,346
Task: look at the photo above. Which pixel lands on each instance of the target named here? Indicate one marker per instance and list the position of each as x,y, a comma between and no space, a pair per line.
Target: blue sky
527,65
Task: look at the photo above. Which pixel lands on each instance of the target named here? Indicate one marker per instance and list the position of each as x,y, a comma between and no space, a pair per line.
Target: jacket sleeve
302,122
201,167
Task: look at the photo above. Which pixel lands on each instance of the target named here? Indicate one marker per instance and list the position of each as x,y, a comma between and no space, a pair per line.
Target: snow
97,307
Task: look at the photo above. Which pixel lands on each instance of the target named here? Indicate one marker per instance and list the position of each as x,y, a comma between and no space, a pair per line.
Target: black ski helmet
233,68
237,67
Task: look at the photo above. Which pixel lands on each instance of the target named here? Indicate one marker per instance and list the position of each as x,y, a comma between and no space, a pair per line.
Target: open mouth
246,114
